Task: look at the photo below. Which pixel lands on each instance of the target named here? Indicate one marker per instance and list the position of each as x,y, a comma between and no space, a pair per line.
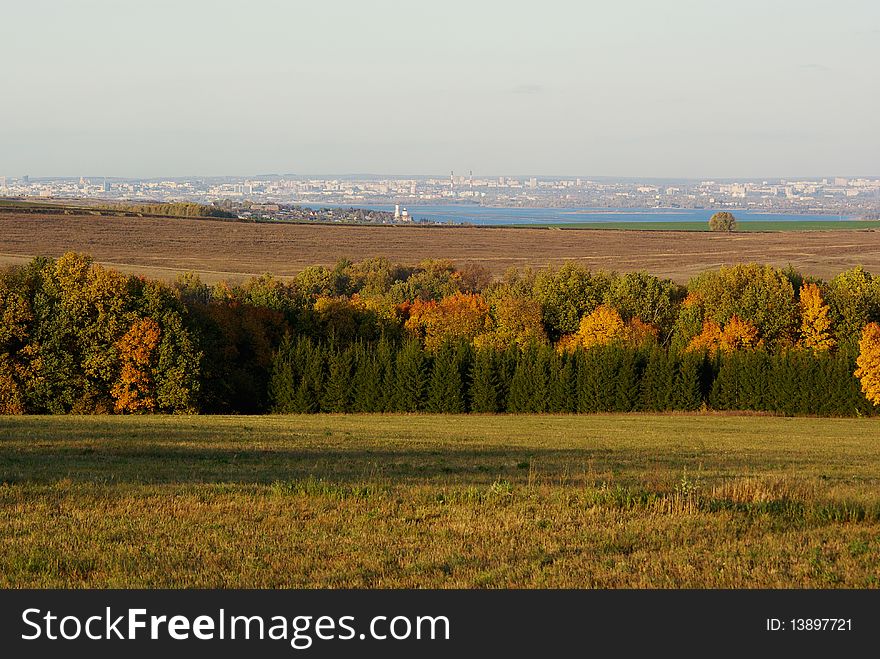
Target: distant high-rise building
26,179
106,185
533,182
412,188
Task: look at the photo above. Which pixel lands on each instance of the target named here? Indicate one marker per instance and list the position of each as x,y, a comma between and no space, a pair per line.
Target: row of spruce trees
385,376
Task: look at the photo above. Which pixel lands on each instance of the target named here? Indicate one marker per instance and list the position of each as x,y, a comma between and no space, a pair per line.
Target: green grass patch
438,501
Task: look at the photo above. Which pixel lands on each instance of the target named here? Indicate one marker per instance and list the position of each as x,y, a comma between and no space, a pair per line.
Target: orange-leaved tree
135,389
868,362
815,322
457,316
639,332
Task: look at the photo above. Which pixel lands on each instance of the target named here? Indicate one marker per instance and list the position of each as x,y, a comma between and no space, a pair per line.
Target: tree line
309,376
76,337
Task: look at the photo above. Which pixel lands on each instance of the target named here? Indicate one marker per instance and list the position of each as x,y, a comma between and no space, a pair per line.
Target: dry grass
427,501
164,247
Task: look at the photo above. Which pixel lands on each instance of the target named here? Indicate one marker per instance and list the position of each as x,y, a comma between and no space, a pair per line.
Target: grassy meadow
700,501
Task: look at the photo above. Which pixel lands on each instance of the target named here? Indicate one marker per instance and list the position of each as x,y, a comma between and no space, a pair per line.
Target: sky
629,88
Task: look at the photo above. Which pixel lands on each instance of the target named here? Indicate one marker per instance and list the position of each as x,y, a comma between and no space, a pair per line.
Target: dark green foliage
658,381
304,347
484,389
338,388
446,389
367,381
385,358
411,378
629,365
688,385
283,380
529,384
562,386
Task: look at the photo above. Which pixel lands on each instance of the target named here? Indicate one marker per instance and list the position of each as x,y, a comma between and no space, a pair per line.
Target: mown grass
433,501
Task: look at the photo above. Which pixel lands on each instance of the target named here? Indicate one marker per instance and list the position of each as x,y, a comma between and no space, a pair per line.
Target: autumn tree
601,327
458,316
722,221
135,389
815,322
868,362
639,295
737,334
567,294
484,382
516,321
11,401
854,301
759,294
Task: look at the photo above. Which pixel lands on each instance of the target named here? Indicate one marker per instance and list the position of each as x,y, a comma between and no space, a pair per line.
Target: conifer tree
588,381
627,378
445,389
411,377
464,361
282,382
687,394
519,398
337,389
484,382
561,396
506,362
367,381
658,381
539,367
386,356
311,382
725,388
754,379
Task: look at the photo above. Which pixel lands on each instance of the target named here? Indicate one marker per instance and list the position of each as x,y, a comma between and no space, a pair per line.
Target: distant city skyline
636,90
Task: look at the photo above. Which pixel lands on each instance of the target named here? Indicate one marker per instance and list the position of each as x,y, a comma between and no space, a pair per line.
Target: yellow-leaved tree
737,334
815,322
605,325
601,327
868,362
135,389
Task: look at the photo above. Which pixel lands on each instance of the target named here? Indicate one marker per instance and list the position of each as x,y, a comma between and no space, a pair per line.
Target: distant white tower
396,211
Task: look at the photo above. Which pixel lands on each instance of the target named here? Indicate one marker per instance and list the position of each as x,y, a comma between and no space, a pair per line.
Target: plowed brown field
164,247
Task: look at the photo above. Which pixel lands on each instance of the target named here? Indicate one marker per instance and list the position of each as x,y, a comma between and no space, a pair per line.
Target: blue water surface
489,215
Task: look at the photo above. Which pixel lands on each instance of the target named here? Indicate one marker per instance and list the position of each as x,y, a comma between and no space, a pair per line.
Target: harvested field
164,247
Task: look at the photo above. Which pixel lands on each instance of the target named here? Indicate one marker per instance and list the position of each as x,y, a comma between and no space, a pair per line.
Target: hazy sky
620,88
